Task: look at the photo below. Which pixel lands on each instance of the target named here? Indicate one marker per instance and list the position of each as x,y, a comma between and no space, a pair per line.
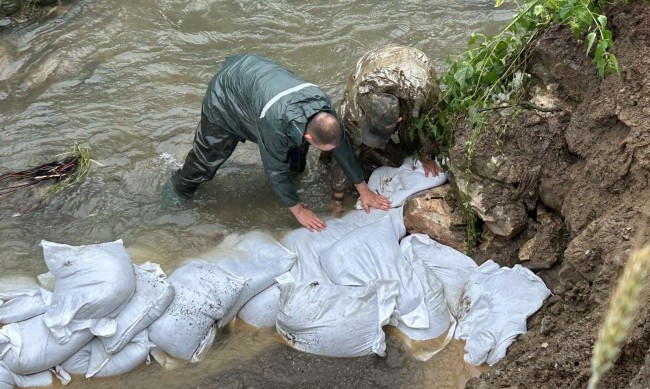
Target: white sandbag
440,317
153,294
77,364
398,184
256,257
24,304
93,283
498,301
132,355
8,379
94,361
371,253
204,293
309,245
450,266
262,310
333,320
29,347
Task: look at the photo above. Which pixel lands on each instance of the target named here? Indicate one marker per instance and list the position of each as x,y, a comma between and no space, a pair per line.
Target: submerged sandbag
153,294
93,283
334,320
9,380
398,184
29,347
24,304
204,293
256,257
262,310
497,302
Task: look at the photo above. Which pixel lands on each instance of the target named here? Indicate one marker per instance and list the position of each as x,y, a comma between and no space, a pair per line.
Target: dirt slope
580,176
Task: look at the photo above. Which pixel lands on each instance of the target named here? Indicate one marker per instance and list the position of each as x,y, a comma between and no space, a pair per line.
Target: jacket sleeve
345,156
277,172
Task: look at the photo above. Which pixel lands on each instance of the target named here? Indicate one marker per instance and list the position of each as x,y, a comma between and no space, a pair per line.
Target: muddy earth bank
566,193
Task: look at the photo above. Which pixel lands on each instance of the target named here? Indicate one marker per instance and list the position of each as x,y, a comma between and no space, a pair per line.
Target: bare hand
430,166
370,199
307,218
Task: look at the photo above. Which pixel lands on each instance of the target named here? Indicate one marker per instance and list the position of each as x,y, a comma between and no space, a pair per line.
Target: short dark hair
325,129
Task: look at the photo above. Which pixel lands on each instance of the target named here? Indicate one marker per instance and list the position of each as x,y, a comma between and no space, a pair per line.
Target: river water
126,78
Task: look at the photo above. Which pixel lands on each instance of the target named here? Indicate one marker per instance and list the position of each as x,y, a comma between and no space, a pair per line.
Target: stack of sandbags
262,309
100,302
211,292
490,302
257,257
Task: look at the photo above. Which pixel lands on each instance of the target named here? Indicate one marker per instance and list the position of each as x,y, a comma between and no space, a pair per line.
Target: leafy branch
491,73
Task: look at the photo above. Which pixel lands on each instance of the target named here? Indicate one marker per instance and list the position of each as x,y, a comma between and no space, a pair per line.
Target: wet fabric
254,99
404,72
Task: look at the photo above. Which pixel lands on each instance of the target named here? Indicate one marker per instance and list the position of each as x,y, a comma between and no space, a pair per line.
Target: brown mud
572,189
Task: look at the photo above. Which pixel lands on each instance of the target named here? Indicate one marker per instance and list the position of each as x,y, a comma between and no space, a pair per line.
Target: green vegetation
78,160
492,72
66,172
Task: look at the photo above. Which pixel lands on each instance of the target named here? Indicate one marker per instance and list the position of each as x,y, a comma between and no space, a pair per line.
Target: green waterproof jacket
262,102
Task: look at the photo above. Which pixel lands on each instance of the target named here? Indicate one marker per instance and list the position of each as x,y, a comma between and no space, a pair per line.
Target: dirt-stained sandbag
93,283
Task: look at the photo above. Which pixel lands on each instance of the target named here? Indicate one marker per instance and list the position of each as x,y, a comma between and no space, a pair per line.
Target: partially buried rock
437,214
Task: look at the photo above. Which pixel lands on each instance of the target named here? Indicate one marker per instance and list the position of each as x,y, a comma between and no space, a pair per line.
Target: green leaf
601,67
590,40
421,133
498,3
614,64
472,40
491,78
602,19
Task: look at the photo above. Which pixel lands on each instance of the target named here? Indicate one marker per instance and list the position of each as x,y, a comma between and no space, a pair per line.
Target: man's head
323,131
381,112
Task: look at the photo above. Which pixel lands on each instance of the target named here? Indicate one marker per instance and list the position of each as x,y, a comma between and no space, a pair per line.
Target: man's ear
309,138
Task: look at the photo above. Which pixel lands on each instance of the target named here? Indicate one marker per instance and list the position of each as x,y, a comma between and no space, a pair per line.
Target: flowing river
125,78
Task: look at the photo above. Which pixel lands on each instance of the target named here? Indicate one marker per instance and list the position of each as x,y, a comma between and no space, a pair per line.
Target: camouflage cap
381,112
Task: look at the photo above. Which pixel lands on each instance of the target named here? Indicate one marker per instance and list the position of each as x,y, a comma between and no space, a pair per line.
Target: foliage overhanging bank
492,72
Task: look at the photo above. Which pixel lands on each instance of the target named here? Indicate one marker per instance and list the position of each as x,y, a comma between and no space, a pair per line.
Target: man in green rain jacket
251,98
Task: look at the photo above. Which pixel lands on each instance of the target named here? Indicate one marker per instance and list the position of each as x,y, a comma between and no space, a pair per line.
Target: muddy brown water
126,79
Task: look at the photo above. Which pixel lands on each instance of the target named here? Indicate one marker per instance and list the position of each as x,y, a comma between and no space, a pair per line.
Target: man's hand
430,166
307,218
371,199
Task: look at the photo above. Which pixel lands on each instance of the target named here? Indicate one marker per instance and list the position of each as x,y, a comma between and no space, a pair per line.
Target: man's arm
347,159
277,172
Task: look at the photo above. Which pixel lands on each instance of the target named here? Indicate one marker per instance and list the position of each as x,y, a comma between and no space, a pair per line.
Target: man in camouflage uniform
391,87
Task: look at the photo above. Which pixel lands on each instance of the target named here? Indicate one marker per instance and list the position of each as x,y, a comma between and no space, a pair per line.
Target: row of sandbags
328,293
104,316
